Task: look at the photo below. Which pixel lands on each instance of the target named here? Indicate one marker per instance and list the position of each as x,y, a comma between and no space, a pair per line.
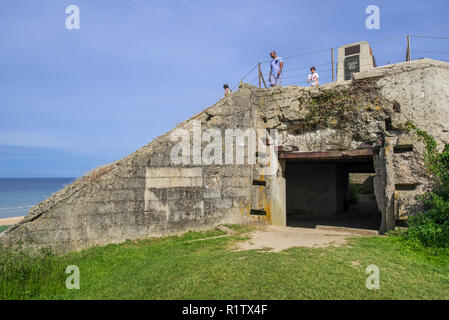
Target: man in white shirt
313,77
277,64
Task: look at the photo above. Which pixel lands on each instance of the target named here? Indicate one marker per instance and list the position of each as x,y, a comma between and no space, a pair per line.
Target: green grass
180,267
3,228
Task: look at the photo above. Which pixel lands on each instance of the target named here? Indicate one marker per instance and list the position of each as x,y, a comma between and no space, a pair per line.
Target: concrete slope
149,194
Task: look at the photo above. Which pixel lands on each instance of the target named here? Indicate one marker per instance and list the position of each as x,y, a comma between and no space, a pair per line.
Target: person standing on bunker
277,64
313,78
227,91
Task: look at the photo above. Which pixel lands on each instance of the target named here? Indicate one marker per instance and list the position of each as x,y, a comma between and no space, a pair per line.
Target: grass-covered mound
204,265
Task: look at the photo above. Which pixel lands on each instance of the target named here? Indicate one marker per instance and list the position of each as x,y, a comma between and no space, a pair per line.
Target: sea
18,196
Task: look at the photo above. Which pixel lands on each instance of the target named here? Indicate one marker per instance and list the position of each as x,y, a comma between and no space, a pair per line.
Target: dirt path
281,238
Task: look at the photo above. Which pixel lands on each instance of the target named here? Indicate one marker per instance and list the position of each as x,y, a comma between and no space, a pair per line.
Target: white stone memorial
353,58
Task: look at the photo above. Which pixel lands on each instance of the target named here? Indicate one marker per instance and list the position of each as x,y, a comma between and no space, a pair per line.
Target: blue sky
71,100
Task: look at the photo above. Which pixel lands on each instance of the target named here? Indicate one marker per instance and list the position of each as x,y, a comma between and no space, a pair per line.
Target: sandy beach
9,221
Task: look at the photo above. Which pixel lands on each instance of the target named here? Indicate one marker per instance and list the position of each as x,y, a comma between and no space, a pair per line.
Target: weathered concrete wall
146,194
419,91
277,196
314,190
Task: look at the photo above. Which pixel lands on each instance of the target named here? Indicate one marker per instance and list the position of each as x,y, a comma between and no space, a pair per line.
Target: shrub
431,227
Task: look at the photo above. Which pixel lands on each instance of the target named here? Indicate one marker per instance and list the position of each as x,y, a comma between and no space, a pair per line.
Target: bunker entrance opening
332,189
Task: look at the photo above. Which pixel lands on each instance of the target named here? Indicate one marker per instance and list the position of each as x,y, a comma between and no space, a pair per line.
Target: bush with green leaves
431,227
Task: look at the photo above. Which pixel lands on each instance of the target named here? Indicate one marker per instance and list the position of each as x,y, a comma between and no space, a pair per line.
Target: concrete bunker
320,189
357,125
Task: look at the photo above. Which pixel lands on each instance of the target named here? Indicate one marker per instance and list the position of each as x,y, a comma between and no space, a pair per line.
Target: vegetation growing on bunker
336,108
431,227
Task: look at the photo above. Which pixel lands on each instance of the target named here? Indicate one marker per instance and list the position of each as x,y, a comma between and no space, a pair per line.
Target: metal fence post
332,55
409,54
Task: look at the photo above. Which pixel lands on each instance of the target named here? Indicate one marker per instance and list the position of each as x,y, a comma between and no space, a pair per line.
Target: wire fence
385,51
